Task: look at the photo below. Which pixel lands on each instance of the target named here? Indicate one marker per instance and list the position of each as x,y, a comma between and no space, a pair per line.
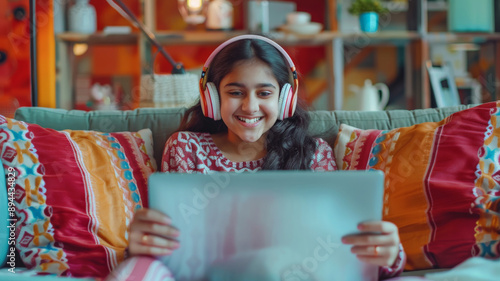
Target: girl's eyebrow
241,85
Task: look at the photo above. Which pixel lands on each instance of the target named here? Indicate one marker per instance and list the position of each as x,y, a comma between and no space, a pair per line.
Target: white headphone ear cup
283,101
213,101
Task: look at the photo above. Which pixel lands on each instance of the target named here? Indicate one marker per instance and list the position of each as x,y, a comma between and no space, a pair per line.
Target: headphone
209,97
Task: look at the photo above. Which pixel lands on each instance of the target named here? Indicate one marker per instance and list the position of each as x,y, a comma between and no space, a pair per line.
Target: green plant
362,6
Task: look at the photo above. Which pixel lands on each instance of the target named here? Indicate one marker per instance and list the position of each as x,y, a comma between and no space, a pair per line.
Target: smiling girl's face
249,101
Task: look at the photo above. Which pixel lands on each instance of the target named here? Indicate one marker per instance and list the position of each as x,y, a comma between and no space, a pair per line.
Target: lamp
192,11
164,90
123,10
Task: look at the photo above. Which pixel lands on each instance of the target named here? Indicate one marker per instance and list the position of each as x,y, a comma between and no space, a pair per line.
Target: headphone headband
249,36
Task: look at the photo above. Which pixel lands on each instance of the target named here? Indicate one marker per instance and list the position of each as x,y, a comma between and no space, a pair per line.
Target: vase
368,22
59,10
219,15
82,17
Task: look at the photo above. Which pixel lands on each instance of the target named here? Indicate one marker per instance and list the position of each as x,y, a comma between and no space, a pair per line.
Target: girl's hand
152,234
378,243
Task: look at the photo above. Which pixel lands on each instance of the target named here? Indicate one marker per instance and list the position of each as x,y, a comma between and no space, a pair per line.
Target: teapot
368,97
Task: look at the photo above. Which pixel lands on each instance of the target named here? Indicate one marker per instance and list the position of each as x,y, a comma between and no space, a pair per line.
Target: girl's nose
250,104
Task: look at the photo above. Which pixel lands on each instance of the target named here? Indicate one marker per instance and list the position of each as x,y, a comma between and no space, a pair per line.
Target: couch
163,122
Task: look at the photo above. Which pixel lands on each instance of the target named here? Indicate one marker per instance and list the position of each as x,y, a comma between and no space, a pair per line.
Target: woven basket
169,90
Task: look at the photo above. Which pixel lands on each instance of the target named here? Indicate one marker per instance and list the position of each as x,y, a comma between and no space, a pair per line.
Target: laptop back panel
280,225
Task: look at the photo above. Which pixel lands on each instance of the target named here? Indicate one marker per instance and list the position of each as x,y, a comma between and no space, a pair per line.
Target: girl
247,120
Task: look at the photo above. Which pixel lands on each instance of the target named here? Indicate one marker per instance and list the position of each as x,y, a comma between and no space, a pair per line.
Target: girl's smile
249,121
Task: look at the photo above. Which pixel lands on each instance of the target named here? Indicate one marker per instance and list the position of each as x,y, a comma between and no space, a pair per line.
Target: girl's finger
364,239
155,241
378,260
138,249
383,227
145,214
166,231
372,251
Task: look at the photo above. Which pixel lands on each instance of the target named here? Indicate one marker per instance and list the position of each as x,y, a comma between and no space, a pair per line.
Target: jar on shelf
82,17
219,15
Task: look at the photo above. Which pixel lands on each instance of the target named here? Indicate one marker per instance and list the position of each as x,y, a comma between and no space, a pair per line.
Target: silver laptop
279,225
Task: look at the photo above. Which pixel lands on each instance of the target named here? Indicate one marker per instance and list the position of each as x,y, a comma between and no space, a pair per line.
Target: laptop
279,225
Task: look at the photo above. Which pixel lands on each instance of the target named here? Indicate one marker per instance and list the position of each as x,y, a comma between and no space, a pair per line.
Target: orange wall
14,42
15,74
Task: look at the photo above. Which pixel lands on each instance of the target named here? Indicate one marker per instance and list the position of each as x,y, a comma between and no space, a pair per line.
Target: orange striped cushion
442,185
76,192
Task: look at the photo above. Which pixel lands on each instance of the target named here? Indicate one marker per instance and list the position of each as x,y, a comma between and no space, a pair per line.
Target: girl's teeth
249,120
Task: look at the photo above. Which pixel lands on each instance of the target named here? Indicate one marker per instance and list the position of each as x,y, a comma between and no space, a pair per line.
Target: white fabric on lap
476,268
141,268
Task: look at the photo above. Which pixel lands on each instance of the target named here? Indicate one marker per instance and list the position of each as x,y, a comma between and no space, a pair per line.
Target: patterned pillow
76,192
442,183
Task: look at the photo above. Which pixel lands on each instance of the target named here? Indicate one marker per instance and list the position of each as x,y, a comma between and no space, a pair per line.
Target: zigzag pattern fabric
76,192
442,183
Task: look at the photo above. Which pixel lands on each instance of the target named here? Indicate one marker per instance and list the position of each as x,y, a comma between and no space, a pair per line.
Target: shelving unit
416,48
66,60
331,39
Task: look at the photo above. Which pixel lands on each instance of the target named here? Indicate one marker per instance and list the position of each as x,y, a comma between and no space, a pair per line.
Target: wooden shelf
455,37
99,38
216,37
195,37
392,37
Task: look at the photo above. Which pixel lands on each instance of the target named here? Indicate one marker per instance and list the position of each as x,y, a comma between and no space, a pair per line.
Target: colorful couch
73,192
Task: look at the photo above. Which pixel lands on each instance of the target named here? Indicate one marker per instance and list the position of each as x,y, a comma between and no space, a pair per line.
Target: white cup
298,18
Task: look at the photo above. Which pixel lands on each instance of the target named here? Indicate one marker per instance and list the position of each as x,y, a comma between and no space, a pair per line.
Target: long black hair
288,143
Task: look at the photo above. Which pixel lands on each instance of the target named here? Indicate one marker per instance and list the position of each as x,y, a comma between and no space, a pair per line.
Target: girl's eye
265,93
235,93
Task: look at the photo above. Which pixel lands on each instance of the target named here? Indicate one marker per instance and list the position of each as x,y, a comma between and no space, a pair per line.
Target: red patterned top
188,152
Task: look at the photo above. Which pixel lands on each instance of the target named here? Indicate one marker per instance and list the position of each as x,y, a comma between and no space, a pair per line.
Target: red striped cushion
76,192
442,183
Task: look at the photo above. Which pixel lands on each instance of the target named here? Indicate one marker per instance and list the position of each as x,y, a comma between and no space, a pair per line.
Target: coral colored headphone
210,102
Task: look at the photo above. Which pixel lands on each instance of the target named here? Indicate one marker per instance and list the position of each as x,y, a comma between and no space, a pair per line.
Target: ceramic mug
298,18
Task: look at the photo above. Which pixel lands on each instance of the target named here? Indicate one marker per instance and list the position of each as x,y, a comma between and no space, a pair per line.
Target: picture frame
443,84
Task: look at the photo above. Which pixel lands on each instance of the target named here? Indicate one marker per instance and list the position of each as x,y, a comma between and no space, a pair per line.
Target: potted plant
368,11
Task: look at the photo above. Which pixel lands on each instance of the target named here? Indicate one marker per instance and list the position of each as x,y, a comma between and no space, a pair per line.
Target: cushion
76,192
442,183
162,121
